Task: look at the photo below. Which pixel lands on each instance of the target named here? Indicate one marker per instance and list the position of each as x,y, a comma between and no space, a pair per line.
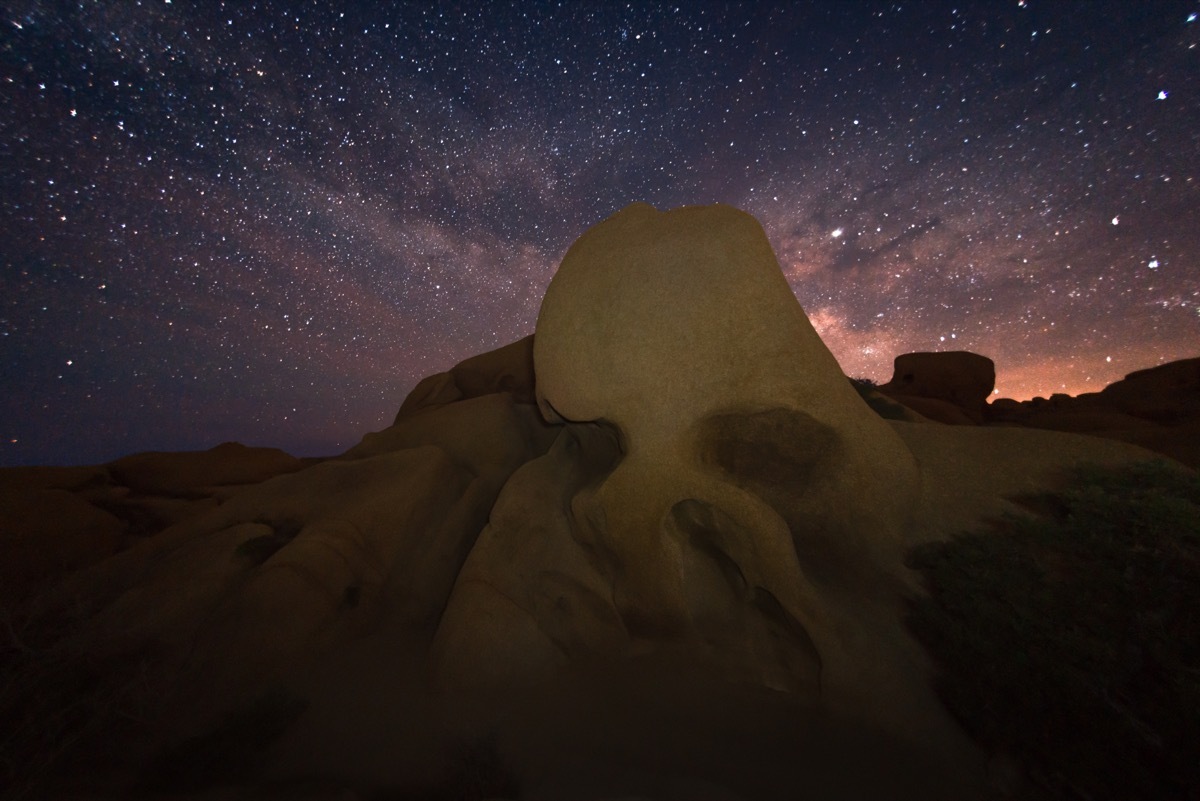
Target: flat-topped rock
960,378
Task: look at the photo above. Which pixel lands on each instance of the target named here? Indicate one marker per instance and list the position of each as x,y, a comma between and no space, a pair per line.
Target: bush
1070,638
879,403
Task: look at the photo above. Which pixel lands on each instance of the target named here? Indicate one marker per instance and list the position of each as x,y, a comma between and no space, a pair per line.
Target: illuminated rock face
718,486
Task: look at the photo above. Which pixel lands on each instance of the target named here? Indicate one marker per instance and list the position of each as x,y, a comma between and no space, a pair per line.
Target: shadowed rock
950,387
191,473
1157,408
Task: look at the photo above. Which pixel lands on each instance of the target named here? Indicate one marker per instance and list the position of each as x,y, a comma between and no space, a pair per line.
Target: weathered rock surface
280,571
950,386
60,519
702,489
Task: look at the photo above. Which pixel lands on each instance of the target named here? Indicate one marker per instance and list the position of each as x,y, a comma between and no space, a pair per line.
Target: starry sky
266,221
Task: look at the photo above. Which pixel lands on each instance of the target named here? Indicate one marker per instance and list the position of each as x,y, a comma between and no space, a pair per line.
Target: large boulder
1168,393
506,369
719,486
959,378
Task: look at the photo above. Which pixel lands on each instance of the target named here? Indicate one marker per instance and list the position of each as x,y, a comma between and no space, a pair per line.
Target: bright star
837,232
1162,95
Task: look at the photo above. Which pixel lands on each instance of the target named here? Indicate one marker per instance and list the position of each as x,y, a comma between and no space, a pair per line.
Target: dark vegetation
879,403
60,712
1069,638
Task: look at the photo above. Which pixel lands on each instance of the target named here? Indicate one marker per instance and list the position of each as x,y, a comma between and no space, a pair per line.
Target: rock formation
1166,394
706,505
1157,408
950,387
657,549
60,519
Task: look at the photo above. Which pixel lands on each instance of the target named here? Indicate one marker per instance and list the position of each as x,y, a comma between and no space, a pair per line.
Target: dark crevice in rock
795,632
706,527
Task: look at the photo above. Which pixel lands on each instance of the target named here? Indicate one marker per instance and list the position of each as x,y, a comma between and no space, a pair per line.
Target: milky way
265,222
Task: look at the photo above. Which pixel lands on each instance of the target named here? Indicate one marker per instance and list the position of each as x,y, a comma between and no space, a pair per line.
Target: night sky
265,222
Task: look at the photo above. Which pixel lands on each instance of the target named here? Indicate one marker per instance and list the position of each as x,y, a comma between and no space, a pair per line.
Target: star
324,232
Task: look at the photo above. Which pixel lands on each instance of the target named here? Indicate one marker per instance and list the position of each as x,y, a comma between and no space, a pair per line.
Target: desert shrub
1069,638
880,404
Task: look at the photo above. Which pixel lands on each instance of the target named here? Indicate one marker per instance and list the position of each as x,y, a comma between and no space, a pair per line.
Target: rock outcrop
722,519
1157,408
196,474
60,519
657,549
949,387
1168,393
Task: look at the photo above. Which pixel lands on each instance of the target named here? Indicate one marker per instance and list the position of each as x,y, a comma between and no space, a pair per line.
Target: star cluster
266,221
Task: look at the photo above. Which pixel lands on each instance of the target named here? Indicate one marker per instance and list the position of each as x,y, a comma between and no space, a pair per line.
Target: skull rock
745,503
679,329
